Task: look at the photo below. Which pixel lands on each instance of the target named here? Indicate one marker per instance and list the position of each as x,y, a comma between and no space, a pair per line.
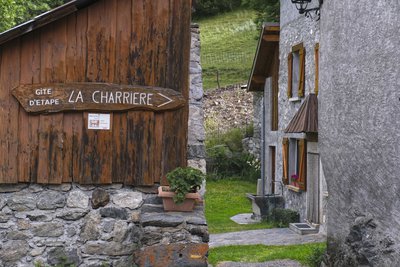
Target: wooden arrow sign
49,98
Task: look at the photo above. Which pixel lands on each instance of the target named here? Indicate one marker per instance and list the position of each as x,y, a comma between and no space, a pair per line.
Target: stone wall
91,226
359,130
196,133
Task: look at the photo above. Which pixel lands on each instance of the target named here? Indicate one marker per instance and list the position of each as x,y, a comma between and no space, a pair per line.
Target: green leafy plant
315,258
183,181
282,217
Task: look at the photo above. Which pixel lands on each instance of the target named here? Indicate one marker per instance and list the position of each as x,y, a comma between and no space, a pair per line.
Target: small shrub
316,257
226,157
282,217
183,181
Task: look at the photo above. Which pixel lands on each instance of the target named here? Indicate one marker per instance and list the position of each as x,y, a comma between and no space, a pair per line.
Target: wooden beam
271,38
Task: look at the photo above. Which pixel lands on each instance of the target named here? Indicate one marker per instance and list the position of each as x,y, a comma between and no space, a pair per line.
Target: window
296,72
294,155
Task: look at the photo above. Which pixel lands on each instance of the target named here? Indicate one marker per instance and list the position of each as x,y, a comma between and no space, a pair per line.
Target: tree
14,12
267,10
203,8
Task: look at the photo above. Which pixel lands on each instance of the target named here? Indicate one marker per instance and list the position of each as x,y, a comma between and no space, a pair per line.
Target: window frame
300,160
298,48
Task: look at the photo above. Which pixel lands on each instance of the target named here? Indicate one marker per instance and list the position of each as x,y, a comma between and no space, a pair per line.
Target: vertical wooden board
71,76
9,78
4,113
178,79
14,73
123,37
79,75
140,71
158,140
34,64
53,51
24,134
101,58
140,145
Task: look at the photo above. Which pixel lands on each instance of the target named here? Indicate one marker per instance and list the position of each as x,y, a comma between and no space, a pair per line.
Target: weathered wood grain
51,98
116,46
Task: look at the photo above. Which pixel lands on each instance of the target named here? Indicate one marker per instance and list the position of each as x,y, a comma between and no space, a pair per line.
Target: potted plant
181,194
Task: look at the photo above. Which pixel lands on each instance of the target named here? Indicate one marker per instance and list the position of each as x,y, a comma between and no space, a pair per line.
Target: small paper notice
98,121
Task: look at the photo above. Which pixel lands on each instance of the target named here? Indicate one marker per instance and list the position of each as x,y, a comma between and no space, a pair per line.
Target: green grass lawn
228,45
226,198
305,254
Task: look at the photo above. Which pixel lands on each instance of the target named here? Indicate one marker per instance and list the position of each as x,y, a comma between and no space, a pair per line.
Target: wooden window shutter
285,158
290,73
316,54
302,157
302,54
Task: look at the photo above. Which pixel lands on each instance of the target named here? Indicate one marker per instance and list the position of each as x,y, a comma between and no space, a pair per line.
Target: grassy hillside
228,46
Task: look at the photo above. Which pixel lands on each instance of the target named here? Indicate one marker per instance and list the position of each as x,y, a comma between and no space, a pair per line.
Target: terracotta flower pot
170,205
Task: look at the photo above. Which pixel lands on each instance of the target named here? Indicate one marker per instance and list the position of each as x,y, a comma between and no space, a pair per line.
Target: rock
149,208
100,198
120,231
151,236
72,214
77,199
153,199
13,251
71,231
108,225
21,202
90,230
16,235
61,256
108,248
50,200
37,251
35,188
113,212
201,231
113,186
161,220
4,217
135,216
3,202
189,255
196,220
48,229
62,187
5,188
37,216
131,200
23,224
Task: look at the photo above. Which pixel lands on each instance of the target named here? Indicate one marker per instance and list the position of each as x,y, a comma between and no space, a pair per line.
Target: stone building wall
294,29
91,226
359,130
196,133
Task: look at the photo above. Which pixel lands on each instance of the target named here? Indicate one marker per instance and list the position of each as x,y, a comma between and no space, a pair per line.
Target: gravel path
276,236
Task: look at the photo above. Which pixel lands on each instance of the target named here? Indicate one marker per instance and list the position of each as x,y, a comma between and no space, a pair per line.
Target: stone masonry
196,133
92,226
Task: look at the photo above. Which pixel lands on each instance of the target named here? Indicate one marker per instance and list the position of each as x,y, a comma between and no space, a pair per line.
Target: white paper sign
98,121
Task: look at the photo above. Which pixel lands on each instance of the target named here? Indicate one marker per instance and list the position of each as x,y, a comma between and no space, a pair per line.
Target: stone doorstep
245,218
303,228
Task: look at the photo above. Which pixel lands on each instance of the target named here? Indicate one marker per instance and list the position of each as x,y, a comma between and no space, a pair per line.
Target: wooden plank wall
124,42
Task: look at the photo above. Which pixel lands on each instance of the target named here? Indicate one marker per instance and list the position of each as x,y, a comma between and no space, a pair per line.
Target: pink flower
295,177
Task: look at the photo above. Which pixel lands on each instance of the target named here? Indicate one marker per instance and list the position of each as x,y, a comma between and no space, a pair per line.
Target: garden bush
226,157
